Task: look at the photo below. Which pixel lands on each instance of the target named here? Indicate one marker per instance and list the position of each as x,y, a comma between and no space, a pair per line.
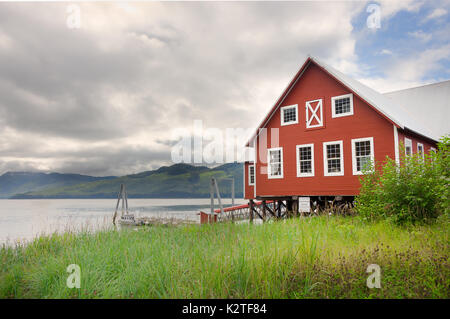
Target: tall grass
298,258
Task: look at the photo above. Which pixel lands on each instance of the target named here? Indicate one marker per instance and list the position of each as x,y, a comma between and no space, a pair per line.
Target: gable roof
429,104
385,106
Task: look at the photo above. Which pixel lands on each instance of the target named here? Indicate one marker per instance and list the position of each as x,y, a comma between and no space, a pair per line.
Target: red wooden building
325,126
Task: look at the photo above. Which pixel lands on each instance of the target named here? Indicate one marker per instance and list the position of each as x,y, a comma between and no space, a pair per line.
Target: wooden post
126,199
211,192
250,204
288,207
218,195
295,205
117,205
279,208
123,198
264,207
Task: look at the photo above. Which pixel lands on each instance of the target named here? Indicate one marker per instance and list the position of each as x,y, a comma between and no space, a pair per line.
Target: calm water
25,219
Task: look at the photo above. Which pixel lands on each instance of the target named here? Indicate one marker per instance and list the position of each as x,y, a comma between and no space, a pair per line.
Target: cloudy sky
105,98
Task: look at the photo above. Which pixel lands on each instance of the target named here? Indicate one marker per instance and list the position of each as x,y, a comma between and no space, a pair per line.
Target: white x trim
314,113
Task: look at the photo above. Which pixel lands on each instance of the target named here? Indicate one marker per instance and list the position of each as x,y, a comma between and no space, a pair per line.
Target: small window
362,153
333,158
420,150
432,149
342,105
275,162
305,160
314,113
289,115
408,147
251,175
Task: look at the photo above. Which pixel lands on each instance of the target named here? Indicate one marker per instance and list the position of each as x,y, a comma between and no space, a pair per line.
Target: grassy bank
317,257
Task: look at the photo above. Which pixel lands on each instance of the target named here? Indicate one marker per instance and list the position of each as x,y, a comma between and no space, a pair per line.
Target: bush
414,191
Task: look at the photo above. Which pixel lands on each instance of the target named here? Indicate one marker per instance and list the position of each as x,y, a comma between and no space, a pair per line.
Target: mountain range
176,181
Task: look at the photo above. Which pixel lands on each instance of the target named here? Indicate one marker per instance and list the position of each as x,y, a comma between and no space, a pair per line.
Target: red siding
365,122
248,189
427,144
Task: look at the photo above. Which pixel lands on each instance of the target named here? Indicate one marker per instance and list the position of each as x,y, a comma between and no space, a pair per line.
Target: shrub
414,191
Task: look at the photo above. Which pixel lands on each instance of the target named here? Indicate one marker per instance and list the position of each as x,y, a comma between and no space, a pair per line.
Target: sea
25,219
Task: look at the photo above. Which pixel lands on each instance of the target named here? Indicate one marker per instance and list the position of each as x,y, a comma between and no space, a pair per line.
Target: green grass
319,257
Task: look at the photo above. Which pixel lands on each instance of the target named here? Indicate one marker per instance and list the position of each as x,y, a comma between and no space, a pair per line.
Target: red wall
427,145
365,122
248,189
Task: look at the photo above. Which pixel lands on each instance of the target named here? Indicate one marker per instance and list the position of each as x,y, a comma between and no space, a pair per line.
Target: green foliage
317,257
414,191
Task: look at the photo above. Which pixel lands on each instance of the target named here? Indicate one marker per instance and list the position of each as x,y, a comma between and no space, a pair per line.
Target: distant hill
176,181
12,183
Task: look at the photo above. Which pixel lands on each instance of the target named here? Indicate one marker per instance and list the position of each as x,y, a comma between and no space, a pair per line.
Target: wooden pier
264,210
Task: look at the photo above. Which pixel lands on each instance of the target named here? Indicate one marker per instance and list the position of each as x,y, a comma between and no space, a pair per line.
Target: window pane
252,174
289,115
342,105
334,166
305,159
275,169
362,148
361,163
305,167
275,156
333,151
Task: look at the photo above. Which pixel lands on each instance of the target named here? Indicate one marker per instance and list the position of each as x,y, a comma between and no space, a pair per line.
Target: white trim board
314,114
333,108
299,174
287,107
281,161
325,158
372,154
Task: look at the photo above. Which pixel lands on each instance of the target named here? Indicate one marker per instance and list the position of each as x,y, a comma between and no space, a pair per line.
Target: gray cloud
103,99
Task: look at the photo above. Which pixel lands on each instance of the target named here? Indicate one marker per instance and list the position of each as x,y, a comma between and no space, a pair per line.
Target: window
362,154
432,149
342,105
275,162
314,113
289,115
305,160
420,150
408,147
251,175
333,158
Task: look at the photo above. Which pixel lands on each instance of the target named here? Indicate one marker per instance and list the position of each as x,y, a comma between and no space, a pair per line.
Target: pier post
251,204
295,205
264,207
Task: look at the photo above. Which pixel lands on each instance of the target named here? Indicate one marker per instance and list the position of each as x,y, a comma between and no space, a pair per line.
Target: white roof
429,104
396,112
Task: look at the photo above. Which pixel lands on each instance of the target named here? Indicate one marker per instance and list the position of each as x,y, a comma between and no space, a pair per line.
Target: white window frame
372,154
269,173
295,106
408,142
325,158
319,106
333,108
432,149
422,154
299,174
249,175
